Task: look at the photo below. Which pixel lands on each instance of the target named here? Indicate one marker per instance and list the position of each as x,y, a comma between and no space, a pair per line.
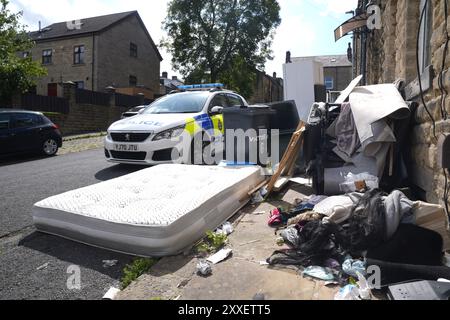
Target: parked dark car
28,131
133,112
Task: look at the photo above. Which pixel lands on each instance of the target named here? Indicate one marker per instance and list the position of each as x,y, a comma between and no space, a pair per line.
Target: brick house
112,50
389,53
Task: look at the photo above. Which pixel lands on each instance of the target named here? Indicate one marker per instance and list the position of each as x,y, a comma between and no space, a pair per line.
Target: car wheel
50,147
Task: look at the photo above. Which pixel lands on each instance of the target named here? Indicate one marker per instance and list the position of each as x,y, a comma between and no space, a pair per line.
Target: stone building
337,70
95,53
168,84
266,88
389,53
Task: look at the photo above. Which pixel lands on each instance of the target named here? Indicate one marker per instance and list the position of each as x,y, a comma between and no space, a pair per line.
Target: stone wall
85,118
395,59
267,89
114,63
62,68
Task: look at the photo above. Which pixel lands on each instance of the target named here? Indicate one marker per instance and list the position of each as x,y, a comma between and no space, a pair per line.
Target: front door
52,90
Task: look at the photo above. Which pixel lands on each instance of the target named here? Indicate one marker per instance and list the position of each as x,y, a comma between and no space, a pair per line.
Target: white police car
152,136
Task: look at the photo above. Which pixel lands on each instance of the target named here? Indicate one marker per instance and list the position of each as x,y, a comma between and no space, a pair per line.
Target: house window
133,81
133,50
79,84
47,56
26,54
425,36
329,83
78,55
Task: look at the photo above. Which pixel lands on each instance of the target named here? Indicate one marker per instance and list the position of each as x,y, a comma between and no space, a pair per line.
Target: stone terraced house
112,50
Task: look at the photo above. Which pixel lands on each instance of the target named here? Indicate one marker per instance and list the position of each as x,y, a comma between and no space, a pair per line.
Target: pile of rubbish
336,239
360,231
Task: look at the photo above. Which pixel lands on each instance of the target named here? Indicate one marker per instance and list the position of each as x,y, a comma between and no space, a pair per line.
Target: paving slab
241,276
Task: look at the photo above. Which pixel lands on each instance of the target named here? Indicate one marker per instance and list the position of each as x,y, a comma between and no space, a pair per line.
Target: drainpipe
364,49
93,61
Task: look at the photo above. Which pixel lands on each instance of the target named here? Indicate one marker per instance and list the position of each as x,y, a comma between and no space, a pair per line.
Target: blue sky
307,25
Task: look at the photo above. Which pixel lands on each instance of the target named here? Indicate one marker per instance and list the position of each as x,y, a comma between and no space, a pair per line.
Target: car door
27,132
5,133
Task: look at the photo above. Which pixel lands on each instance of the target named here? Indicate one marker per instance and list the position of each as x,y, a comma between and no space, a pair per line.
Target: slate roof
328,61
88,26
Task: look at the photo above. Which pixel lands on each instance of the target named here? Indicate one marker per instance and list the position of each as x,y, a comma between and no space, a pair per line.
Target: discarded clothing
346,133
307,216
319,273
336,208
279,217
290,236
314,199
397,207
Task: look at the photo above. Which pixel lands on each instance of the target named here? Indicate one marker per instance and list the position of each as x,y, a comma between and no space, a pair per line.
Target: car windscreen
192,102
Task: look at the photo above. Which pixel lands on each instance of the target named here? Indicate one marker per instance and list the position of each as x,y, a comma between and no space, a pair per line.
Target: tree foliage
17,74
220,39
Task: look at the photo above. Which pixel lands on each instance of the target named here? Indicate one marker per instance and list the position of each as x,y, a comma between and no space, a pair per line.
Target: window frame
10,120
79,54
133,50
212,104
47,56
78,84
235,96
131,82
425,36
329,79
35,119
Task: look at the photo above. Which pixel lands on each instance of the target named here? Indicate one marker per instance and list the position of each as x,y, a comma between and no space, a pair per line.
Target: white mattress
153,212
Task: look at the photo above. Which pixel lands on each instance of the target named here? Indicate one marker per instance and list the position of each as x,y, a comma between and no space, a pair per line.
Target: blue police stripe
205,121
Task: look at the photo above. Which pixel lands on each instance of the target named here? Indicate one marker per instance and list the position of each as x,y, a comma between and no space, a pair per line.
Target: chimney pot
165,75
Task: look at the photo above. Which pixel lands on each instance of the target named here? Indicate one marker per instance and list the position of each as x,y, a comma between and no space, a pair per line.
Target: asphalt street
35,265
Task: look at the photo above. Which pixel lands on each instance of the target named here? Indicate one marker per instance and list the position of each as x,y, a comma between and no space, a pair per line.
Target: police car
153,136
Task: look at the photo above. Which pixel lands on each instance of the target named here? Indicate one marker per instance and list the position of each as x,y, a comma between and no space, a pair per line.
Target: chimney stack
274,75
165,75
174,78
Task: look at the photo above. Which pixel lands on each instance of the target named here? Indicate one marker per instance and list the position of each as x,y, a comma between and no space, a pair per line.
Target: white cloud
335,7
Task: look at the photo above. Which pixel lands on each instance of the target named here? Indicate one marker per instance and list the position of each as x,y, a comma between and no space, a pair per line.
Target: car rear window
5,121
25,120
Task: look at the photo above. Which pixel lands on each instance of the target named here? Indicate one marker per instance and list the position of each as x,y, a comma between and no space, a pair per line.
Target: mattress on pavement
157,211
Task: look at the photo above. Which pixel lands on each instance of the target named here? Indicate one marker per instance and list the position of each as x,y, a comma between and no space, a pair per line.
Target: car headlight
169,134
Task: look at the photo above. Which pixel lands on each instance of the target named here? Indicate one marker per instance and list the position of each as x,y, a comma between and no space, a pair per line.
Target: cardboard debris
433,217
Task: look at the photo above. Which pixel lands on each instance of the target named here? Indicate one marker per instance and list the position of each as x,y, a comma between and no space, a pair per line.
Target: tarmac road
34,265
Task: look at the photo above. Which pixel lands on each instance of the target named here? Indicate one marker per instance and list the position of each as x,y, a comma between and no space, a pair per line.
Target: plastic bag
359,182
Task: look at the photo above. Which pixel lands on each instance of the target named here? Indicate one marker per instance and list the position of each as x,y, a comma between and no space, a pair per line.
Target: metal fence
45,103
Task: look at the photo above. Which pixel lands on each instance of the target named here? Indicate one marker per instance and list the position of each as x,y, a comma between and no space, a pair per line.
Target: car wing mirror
217,110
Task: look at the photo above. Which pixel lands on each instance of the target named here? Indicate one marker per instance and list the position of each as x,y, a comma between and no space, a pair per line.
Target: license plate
126,147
